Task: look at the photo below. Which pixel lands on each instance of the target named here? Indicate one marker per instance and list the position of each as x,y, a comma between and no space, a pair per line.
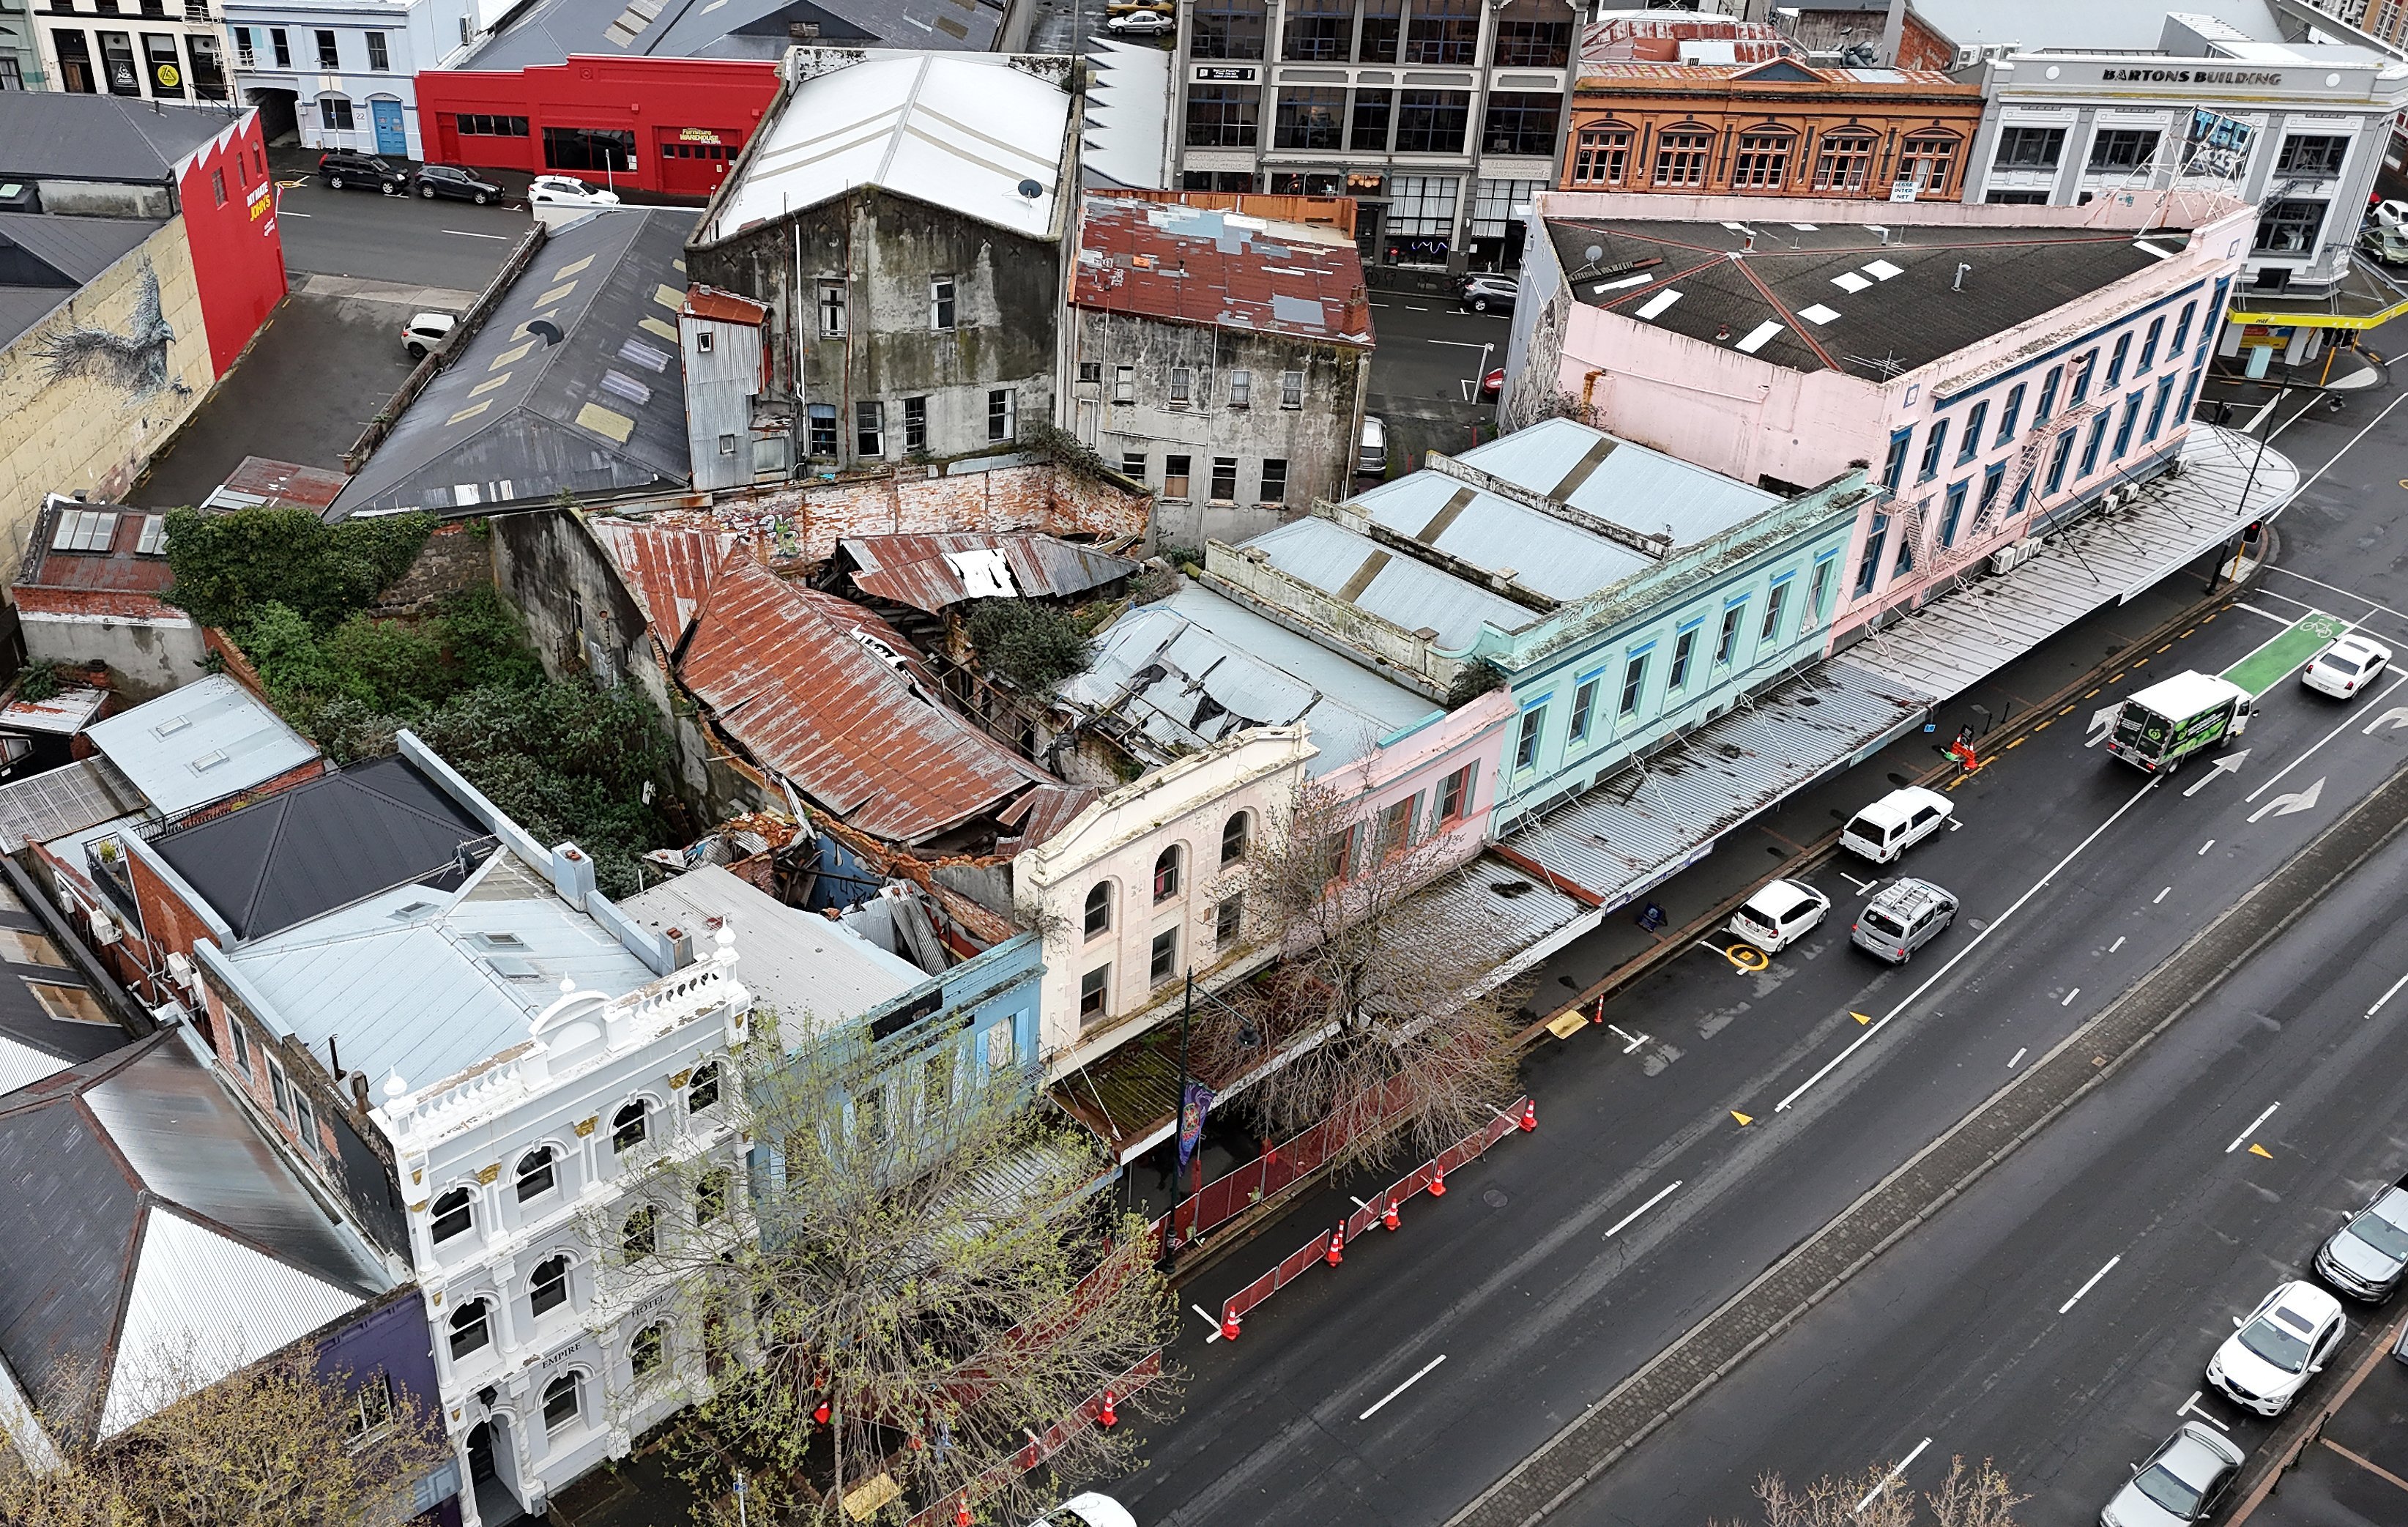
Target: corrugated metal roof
1645,823
555,31
780,669
930,572
1197,667
63,799
118,566
667,569
429,983
77,248
260,479
63,715
200,743
1194,266
817,972
1631,485
955,131
56,136
1392,585
1043,813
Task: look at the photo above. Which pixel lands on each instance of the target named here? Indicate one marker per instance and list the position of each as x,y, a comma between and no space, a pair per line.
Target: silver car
2365,1257
1902,916
2179,1483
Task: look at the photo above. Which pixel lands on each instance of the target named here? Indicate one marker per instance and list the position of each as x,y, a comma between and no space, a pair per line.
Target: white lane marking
1636,1039
1622,1223
462,232
2191,1407
2278,619
2387,995
283,213
2292,801
2297,493
2159,896
2069,996
2242,1138
2395,716
1937,976
2117,945
2397,680
1895,1474
1380,304
2092,1284
1207,1321
1461,344
1401,1388
2209,844
2222,766
2014,1060
2338,589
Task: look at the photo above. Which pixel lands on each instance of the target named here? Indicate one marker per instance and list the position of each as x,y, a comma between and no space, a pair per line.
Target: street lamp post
2249,484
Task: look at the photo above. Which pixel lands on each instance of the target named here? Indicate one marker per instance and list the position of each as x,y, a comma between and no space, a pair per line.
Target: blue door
390,138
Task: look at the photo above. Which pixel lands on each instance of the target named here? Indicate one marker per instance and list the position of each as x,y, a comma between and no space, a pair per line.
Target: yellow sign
867,1502
696,134
2321,321
169,78
1746,957
1564,1025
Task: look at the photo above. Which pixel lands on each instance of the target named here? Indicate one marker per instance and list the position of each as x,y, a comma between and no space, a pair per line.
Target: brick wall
806,521
457,557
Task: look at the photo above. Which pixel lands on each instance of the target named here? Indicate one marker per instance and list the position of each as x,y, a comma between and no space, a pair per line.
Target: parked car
1902,916
1140,24
426,332
343,168
2182,1482
1482,293
1087,1510
1493,383
1779,914
1896,823
567,191
433,180
2346,667
2365,1257
2279,1346
1371,460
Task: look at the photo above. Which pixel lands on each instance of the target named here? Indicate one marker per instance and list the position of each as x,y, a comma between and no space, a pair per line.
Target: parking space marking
2017,1058
2192,1408
2069,996
462,232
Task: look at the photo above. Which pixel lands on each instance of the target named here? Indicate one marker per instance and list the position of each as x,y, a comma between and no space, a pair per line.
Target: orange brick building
1709,106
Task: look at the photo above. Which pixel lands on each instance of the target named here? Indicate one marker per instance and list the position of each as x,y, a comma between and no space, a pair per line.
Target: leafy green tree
1033,646
225,566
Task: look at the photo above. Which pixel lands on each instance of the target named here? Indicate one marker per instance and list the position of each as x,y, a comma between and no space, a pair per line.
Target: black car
342,168
452,180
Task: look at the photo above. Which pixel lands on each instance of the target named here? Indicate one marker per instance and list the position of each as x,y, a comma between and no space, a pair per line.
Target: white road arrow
2395,716
2283,806
2099,721
2224,765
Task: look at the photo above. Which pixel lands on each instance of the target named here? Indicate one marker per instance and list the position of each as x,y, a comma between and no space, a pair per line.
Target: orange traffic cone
1105,1415
1337,1252
962,1518
1438,1182
1529,1115
1230,1326
1388,1215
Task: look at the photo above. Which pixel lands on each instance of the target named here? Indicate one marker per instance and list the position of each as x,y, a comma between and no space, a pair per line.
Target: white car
1779,914
1141,23
2182,1482
2279,1346
1088,1511
426,333
567,191
2346,667
1896,823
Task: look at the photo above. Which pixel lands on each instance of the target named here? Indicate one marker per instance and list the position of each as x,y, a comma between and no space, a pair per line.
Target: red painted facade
229,207
685,120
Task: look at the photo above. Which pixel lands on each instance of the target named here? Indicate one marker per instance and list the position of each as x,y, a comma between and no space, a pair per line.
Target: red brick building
672,126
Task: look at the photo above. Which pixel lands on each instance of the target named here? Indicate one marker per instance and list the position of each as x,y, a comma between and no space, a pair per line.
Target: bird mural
135,361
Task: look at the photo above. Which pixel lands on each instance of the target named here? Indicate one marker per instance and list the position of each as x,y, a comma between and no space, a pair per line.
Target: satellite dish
1031,189
1594,253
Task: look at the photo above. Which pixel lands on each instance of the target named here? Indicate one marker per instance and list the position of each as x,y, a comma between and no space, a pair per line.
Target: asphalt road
393,238
2073,883
1424,371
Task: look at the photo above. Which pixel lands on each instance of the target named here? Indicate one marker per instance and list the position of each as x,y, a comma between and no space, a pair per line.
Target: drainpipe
1588,396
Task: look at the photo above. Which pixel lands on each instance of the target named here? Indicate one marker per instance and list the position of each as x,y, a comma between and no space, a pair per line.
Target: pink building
1999,370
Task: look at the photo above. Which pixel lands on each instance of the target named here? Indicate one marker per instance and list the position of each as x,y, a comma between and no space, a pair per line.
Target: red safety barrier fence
1042,1445
1374,1213
1280,1166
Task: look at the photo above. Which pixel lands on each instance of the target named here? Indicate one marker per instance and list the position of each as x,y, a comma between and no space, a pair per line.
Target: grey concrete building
904,219
1221,360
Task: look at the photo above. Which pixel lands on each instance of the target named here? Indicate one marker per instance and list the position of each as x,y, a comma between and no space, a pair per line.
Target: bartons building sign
2191,76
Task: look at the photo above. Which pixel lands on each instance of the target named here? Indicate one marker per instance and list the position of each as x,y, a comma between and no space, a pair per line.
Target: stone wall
457,557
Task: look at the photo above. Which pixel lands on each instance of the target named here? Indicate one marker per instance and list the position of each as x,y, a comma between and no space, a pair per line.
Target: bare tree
926,1287
1382,1015
278,1443
1978,1497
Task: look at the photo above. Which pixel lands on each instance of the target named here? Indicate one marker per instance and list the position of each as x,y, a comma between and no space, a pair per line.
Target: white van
1896,823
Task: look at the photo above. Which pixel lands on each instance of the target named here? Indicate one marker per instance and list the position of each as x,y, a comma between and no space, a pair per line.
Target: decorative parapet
1412,658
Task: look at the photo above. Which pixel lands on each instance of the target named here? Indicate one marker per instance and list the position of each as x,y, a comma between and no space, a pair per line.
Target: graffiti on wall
135,361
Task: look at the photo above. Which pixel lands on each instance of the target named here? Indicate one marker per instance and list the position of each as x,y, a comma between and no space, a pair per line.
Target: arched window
1601,155
453,1215
1763,160
563,1401
1099,909
549,1288
702,1091
1165,874
469,1330
534,1172
1843,162
636,1238
1234,833
710,1197
629,1126
1682,153
649,1350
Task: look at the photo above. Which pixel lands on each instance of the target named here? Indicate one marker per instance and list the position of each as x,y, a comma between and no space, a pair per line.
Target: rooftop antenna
1589,257
1889,366
1958,284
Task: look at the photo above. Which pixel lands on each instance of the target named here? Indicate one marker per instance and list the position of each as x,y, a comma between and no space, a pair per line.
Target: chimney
681,947
359,1091
573,873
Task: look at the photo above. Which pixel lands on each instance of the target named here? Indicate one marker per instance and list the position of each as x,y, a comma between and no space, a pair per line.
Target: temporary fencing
1042,1445
1375,1211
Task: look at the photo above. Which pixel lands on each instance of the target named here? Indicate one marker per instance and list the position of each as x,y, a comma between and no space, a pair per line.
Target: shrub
1032,646
225,566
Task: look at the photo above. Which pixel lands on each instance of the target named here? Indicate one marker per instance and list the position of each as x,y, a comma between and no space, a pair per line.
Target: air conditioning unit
104,929
2006,559
2177,467
180,969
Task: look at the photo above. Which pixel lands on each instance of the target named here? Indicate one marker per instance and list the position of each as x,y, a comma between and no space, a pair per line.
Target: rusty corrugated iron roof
96,547
785,673
709,302
284,484
931,572
668,569
1045,811
1203,265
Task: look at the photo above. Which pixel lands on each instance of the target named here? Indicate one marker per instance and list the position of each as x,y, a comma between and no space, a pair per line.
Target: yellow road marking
2256,1149
2018,742
1744,1118
1746,957
1862,1018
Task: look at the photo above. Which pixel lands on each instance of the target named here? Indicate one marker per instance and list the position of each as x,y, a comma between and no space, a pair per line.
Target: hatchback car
567,191
2365,1257
1140,24
1896,823
343,168
1779,914
2346,667
1088,1511
2180,1483
435,180
1485,294
426,332
1372,459
1902,916
2279,1346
